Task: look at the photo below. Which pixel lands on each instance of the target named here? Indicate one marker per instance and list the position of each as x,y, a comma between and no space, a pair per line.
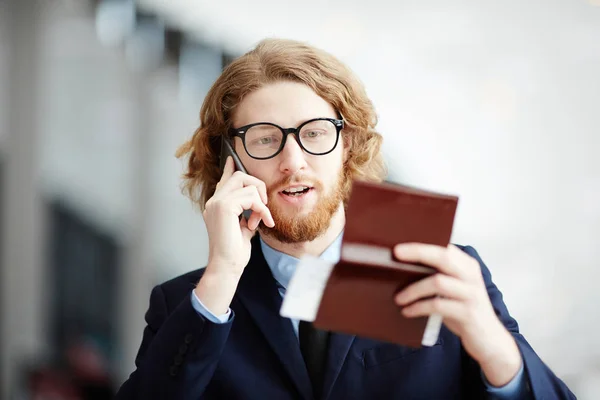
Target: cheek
257,170
265,170
329,167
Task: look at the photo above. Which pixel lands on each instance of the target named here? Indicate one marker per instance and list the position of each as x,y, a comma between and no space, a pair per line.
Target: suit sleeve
541,381
179,352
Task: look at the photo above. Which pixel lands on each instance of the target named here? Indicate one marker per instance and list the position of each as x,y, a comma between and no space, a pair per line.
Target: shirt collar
283,265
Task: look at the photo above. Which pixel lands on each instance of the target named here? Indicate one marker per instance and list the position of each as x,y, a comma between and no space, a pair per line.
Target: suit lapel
339,346
258,292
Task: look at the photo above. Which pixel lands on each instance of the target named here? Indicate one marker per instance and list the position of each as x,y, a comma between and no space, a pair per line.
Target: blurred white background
497,102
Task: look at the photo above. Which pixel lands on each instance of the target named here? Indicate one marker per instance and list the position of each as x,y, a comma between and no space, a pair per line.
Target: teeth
296,189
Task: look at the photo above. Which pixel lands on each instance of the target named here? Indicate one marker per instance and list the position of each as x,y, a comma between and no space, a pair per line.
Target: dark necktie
313,345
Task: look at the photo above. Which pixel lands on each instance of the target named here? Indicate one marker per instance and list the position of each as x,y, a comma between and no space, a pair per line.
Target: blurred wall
4,42
22,276
97,134
499,104
111,129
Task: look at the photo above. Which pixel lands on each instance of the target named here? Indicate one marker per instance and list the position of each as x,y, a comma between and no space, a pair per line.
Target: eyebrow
268,121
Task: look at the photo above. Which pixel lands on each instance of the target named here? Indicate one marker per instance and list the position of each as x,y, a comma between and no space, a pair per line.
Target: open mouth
296,191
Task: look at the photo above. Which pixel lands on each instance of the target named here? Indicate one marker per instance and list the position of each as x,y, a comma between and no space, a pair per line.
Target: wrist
224,268
216,289
502,362
221,276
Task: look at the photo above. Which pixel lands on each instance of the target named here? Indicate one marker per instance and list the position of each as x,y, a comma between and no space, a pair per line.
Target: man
304,129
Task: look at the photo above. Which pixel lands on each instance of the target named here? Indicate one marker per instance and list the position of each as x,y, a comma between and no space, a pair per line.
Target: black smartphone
227,150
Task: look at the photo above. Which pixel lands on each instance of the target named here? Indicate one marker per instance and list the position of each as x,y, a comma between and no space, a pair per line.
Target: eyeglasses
263,140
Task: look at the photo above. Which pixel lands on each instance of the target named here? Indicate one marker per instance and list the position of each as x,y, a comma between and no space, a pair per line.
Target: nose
292,157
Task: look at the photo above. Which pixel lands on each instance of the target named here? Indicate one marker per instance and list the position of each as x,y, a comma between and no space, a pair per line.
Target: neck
315,247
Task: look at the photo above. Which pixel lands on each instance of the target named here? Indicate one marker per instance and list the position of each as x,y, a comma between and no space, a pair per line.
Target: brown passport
359,295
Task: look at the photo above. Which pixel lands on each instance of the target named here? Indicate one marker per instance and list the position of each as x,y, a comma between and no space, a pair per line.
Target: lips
296,190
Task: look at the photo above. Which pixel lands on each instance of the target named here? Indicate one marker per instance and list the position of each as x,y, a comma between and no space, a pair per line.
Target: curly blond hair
274,60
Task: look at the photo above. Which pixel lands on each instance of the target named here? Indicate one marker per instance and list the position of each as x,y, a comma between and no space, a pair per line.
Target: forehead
287,104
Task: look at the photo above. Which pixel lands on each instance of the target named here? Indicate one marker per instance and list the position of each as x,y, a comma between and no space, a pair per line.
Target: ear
346,143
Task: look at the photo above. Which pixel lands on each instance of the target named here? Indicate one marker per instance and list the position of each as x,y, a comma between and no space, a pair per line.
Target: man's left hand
458,293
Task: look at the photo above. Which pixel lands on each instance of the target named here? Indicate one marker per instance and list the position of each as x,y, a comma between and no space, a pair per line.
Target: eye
313,134
265,140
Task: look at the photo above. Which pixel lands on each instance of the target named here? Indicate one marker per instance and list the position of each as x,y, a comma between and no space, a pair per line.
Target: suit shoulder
184,279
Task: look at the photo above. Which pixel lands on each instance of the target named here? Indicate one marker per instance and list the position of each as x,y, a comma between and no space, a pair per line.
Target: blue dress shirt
283,267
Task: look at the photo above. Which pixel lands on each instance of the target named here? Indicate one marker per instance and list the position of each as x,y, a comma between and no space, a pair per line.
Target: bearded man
304,129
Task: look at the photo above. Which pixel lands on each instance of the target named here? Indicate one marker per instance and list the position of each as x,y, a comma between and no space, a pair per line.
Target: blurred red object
87,363
46,384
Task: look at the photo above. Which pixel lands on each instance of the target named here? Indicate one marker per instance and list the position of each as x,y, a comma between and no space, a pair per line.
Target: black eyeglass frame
241,133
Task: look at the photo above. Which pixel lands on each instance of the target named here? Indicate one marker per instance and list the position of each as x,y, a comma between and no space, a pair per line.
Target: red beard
305,228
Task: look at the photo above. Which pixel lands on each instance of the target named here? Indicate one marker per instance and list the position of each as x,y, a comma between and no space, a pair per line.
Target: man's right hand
229,235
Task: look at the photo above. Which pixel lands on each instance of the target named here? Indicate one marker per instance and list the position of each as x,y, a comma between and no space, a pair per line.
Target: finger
228,169
435,285
247,232
240,180
465,258
248,199
435,256
447,308
254,220
262,215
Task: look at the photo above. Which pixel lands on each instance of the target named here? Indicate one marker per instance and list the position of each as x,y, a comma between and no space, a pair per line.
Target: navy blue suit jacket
256,354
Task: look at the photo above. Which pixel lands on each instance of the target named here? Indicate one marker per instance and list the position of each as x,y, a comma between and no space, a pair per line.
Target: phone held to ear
227,150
